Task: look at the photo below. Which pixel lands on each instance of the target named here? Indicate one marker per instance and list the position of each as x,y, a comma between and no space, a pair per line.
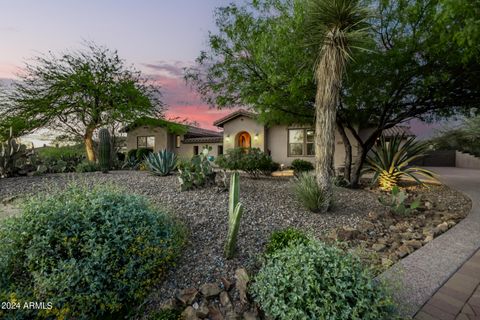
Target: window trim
304,143
146,142
177,141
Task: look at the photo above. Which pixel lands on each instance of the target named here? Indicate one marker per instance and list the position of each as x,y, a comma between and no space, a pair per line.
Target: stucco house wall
161,137
232,128
185,151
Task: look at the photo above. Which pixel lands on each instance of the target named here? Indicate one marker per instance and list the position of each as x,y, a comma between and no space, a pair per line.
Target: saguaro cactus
104,150
235,210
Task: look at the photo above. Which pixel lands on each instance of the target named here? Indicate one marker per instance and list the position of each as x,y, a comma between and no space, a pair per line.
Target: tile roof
233,115
398,130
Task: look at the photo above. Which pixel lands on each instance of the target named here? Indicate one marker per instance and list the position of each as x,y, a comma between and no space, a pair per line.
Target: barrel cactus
104,152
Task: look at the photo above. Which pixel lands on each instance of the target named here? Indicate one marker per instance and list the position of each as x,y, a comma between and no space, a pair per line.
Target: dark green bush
251,160
315,281
142,153
284,238
94,252
132,154
61,159
87,166
299,165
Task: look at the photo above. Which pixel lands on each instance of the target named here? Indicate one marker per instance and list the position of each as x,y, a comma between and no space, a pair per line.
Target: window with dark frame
301,142
219,150
195,150
147,142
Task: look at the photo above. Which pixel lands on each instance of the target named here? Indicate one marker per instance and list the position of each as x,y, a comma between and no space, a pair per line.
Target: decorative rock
366,226
373,216
402,251
210,290
170,304
392,228
187,296
428,239
428,205
451,223
441,228
227,285
346,233
232,315
241,283
406,235
202,311
225,300
413,243
378,247
215,314
189,314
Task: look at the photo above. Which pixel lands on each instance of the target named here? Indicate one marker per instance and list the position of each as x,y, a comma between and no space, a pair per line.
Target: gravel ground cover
269,205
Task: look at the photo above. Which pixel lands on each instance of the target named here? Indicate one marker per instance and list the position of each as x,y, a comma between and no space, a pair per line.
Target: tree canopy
413,68
77,92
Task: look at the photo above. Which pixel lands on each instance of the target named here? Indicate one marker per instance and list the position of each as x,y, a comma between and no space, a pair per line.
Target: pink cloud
181,100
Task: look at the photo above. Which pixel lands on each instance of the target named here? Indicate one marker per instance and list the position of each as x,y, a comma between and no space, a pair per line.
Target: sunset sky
158,37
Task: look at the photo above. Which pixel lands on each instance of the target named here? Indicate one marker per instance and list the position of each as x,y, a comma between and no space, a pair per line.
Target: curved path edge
418,276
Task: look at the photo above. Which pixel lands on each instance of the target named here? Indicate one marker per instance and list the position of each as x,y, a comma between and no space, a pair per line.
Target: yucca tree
390,161
334,29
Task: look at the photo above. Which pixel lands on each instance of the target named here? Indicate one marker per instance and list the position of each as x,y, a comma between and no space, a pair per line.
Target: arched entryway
244,140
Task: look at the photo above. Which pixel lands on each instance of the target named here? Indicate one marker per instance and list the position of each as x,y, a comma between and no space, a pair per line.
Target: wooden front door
244,140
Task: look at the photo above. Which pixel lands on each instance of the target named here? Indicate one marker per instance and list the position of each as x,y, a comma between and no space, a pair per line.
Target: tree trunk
348,152
357,167
328,75
89,148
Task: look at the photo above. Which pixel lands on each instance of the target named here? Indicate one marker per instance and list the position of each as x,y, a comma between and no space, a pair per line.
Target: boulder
403,251
441,228
378,247
225,300
189,314
215,314
187,296
210,290
415,244
227,284
242,283
346,233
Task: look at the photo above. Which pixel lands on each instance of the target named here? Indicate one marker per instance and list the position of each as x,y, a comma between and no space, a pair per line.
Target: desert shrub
94,252
61,159
196,173
315,281
132,154
87,166
142,153
299,165
390,161
251,160
399,203
283,238
308,192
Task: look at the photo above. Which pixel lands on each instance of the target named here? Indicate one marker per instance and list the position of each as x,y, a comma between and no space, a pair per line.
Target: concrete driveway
419,275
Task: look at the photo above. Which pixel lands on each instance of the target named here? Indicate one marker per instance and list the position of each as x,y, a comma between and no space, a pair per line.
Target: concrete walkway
418,276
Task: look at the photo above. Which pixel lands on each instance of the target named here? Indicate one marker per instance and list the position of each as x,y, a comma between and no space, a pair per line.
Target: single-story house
240,129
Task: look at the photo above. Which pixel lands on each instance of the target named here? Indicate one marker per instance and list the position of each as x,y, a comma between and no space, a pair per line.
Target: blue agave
161,163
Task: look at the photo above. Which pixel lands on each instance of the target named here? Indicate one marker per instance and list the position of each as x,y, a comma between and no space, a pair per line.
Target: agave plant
161,163
390,161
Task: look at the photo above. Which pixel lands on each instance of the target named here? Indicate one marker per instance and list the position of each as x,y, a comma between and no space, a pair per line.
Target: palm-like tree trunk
328,75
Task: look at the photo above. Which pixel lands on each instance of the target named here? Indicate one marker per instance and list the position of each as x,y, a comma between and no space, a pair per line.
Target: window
219,150
301,142
195,150
146,142
177,141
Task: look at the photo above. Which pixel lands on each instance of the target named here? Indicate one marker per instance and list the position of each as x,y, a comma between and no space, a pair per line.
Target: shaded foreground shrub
299,165
308,192
92,252
281,239
315,281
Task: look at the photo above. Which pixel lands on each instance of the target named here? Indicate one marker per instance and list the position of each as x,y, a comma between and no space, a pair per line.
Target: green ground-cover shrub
87,166
283,238
299,165
251,160
93,252
315,281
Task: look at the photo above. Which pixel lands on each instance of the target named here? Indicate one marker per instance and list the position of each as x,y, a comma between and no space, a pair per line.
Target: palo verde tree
76,93
334,28
413,68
